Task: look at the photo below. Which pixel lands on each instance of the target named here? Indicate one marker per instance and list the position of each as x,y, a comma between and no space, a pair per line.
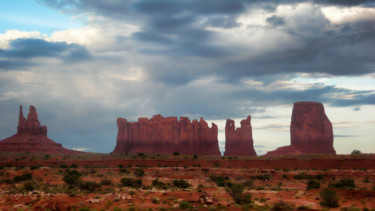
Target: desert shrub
352,208
261,177
303,176
120,166
356,152
246,198
105,182
90,186
34,167
236,192
329,198
155,200
303,207
159,185
28,186
84,209
176,153
180,183
220,181
195,156
139,172
23,177
129,182
74,166
185,205
140,154
123,170
64,166
248,183
344,184
72,177
281,205
312,184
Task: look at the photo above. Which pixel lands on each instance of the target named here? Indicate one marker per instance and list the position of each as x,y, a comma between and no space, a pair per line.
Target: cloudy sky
84,63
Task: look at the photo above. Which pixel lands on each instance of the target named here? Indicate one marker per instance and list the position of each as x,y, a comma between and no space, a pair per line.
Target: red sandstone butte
32,137
310,131
167,135
239,142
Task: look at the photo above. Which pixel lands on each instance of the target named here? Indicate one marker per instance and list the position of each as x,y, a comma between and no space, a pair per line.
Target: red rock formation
239,142
310,131
32,137
166,135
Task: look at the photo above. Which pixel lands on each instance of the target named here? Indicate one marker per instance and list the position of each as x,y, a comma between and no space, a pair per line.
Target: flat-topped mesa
31,124
32,137
166,135
310,131
239,142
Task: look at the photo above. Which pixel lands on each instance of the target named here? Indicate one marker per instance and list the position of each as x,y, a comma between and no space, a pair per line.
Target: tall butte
239,142
32,137
167,135
310,131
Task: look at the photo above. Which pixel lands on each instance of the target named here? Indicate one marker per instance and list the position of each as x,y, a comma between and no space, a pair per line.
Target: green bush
236,192
313,184
23,177
282,206
303,176
28,186
261,177
329,198
90,186
344,184
220,181
159,185
180,183
105,182
356,152
129,182
185,205
72,177
74,166
176,153
139,172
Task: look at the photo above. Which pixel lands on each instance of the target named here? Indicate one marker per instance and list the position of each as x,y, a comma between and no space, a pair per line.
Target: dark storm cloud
22,50
275,20
14,64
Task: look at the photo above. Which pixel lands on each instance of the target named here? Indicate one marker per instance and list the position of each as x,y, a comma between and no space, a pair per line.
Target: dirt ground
175,182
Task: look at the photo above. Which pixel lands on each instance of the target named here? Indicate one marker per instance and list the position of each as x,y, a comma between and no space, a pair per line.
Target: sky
84,63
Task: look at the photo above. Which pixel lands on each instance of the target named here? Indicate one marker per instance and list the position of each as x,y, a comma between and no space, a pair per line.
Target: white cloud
13,34
339,15
82,149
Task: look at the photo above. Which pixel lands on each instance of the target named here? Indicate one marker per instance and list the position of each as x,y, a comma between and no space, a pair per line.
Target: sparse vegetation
129,182
344,184
329,198
180,183
356,152
139,172
312,184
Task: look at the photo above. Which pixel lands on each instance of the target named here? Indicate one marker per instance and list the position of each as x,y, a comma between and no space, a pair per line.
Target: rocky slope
167,135
32,137
310,131
239,142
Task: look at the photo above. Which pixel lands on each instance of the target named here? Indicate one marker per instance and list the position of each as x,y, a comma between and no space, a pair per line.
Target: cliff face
239,142
166,135
31,137
310,131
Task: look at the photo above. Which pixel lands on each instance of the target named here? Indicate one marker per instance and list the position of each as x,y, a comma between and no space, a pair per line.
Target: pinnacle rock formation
239,142
32,137
167,135
310,131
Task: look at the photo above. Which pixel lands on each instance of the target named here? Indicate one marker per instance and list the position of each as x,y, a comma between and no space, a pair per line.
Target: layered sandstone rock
310,131
239,142
167,135
31,137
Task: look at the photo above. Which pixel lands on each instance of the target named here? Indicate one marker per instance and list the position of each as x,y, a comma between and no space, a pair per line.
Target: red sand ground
51,192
